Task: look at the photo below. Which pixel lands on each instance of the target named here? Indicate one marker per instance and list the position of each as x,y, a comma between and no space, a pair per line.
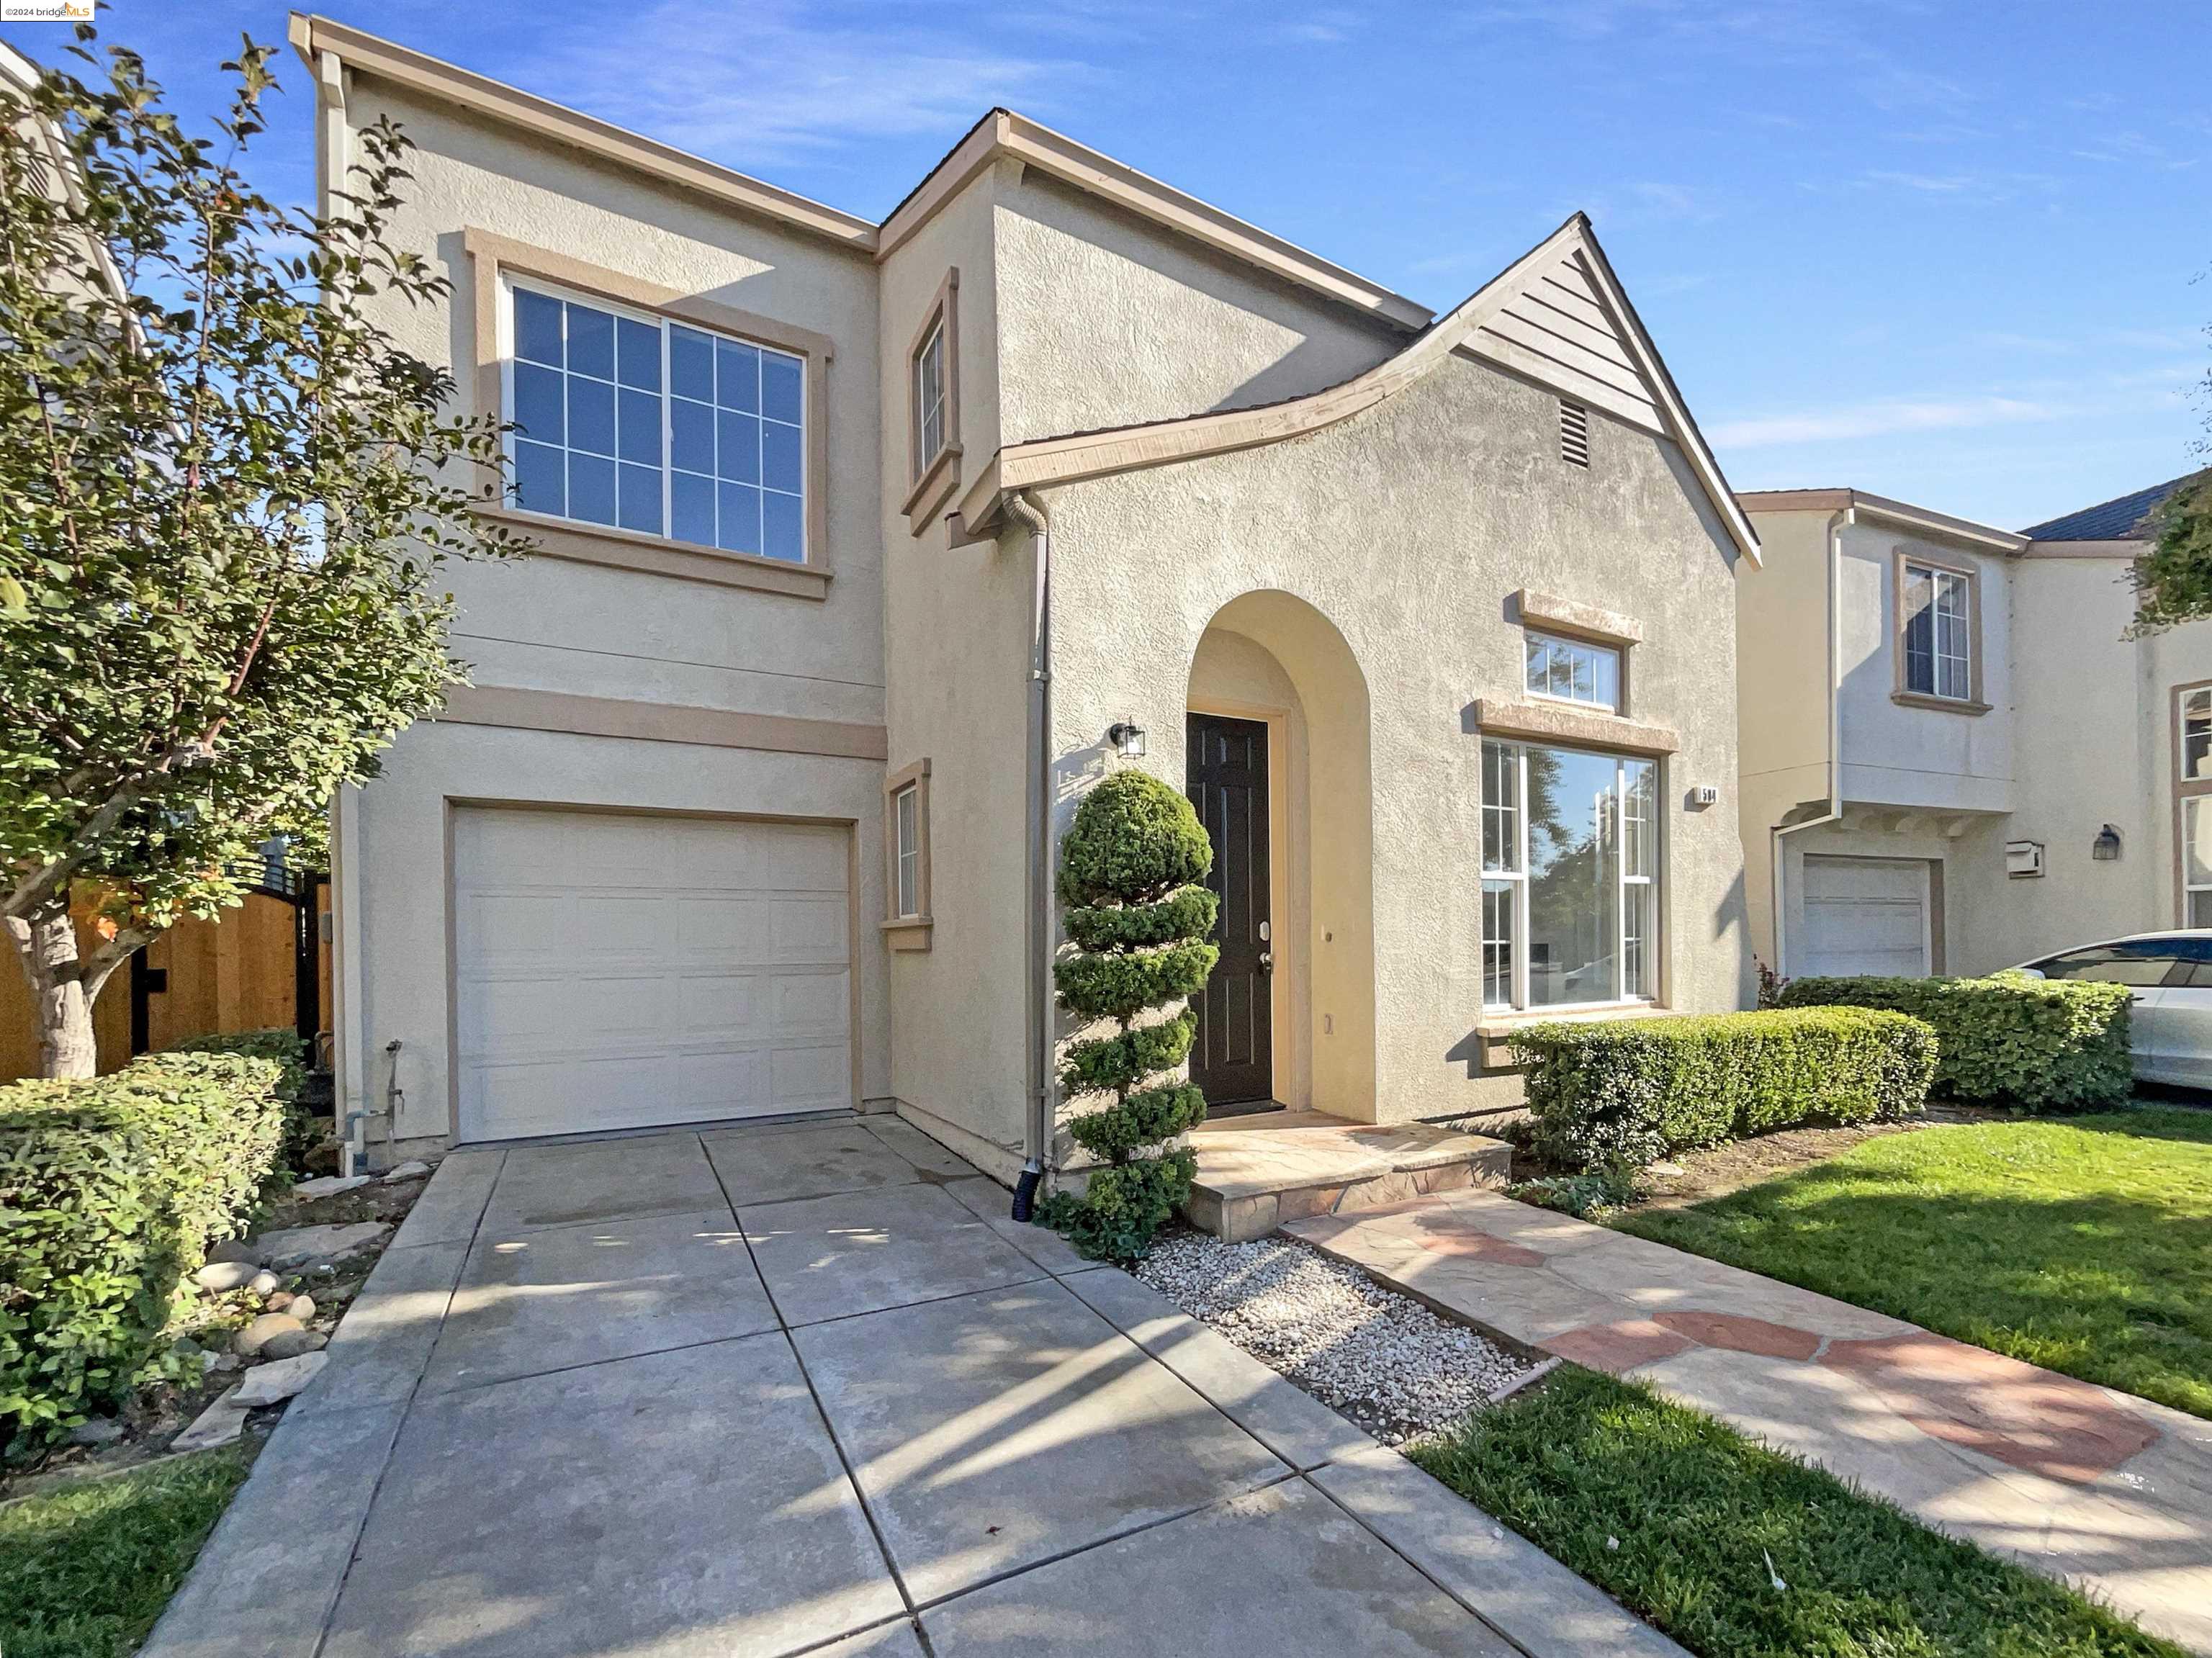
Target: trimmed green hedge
111,1191
2041,1044
288,1048
1630,1090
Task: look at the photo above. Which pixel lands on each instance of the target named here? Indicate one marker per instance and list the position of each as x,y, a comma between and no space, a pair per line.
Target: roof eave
1006,135
1900,515
355,49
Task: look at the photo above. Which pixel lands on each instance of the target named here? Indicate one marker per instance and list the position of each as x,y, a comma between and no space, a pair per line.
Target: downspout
1037,916
1836,523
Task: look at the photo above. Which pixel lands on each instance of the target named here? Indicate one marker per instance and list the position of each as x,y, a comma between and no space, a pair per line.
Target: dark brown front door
1233,1060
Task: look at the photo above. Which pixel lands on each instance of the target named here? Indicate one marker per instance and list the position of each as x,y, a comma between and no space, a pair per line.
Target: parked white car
2171,973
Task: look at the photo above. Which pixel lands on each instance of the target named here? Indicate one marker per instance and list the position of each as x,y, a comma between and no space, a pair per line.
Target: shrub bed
2041,1044
288,1049
110,1192
1626,1091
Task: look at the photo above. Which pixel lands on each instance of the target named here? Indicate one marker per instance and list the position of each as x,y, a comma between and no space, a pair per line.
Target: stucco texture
1395,540
589,630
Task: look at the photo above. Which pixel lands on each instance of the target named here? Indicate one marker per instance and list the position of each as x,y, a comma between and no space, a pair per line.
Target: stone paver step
1255,1173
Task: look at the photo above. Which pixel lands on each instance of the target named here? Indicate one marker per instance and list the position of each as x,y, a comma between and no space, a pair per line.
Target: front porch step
1255,1173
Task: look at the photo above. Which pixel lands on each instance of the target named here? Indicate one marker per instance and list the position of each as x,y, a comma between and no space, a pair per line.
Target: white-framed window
1937,608
1574,671
1570,877
929,397
2193,784
644,423
906,820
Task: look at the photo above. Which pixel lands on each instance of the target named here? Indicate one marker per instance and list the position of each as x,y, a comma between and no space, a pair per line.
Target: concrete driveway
802,1387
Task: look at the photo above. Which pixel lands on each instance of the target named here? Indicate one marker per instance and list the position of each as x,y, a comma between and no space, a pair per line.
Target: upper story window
647,424
1938,631
1574,671
929,397
933,404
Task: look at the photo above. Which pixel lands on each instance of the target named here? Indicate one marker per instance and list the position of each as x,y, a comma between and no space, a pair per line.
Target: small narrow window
929,397
906,807
906,858
1574,433
1572,671
1938,633
2196,735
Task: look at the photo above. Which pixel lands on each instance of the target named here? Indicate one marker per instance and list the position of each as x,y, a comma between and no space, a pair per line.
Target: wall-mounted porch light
1127,739
2105,848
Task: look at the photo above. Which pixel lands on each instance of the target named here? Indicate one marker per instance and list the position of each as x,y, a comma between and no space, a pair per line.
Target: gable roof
1556,315
2126,517
1000,133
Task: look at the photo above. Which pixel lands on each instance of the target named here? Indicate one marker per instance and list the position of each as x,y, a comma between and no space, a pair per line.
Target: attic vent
1574,433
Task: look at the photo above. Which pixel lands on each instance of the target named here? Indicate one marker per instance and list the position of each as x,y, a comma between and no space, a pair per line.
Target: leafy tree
2173,580
1141,927
225,496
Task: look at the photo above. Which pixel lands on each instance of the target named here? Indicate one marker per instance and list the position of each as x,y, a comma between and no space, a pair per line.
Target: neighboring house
1952,759
866,547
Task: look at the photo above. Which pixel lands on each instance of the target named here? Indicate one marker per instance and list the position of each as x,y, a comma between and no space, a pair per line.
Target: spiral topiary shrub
1141,923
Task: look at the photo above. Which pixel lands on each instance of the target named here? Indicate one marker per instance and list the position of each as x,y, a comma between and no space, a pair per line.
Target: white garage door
617,971
1865,915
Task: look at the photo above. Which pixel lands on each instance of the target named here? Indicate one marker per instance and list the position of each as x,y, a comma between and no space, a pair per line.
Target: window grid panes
929,397
1574,671
657,427
1938,632
1570,888
906,809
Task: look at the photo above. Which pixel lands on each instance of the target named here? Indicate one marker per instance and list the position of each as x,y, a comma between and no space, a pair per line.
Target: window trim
495,258
1517,878
2182,790
936,476
1903,559
1618,653
907,931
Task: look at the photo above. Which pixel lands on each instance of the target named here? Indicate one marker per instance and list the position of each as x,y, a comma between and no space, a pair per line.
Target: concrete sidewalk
804,1387
2081,1482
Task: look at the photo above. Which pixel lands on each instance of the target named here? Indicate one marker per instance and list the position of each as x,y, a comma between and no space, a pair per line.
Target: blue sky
1955,252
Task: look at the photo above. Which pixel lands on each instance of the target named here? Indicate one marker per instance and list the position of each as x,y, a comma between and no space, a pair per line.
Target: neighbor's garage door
1865,915
615,971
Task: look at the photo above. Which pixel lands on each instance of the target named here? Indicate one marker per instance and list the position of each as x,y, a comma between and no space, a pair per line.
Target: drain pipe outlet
1037,925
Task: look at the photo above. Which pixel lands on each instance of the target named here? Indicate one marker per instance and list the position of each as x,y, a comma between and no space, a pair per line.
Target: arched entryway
1277,759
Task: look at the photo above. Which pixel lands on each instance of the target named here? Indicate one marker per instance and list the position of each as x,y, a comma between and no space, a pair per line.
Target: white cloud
1882,419
786,83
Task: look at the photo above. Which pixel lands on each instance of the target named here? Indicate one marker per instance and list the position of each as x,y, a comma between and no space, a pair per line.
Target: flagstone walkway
2081,1482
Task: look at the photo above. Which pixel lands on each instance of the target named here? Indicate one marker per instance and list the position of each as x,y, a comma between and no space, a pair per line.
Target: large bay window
1570,871
639,423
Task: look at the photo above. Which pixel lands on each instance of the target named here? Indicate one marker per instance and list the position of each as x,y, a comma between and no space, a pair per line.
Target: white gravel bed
1381,1358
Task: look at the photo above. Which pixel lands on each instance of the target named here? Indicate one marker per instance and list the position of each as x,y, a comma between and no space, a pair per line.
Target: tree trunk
46,944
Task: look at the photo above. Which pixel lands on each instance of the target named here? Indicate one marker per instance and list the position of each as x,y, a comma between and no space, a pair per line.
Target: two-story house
1953,758
864,546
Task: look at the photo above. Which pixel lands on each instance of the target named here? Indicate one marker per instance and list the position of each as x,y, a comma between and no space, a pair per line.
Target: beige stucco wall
2097,740
1783,696
586,630
1106,320
1403,532
1910,755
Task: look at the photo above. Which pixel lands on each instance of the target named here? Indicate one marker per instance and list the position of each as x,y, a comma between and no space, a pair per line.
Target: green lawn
2082,1244
1678,1516
86,1569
